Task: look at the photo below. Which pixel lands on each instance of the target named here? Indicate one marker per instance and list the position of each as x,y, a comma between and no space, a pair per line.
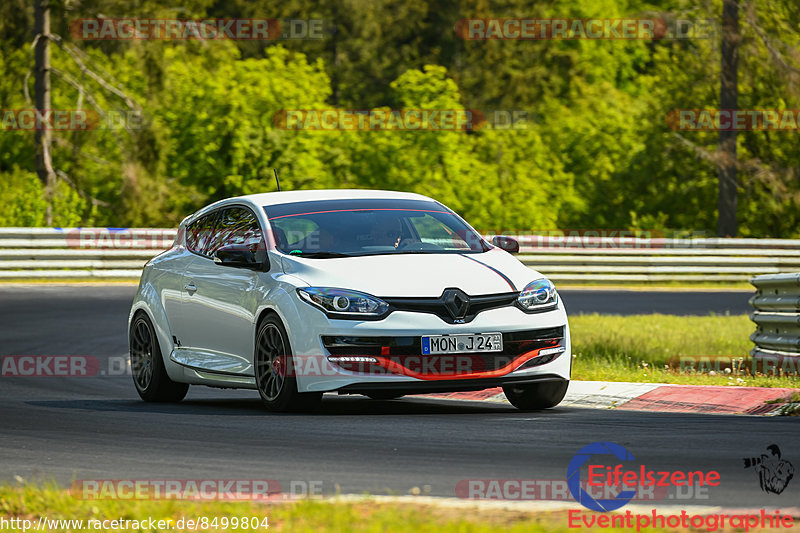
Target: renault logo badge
456,302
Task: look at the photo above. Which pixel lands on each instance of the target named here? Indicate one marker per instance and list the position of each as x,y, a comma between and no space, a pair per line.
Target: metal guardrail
79,253
777,318
103,253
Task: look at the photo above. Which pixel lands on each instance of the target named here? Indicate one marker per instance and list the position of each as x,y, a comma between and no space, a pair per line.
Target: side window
238,225
199,232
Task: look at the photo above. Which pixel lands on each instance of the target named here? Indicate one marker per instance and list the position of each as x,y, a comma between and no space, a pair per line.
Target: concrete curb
656,397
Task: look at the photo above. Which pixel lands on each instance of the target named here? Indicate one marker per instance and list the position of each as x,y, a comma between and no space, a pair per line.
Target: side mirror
236,255
509,244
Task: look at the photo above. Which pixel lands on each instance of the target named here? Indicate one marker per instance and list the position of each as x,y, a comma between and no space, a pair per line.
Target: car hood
415,275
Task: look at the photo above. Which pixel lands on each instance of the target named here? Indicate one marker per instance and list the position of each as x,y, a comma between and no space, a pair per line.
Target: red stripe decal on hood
506,278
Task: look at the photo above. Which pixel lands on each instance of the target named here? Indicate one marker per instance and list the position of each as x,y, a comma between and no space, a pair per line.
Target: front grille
438,306
406,352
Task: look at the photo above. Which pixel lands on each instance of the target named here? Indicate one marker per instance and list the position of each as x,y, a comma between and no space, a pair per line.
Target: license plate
483,342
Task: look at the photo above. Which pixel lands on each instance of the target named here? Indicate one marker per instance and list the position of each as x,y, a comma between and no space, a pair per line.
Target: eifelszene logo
612,478
774,473
574,476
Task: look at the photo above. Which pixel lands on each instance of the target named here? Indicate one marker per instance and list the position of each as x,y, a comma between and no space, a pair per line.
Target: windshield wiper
442,251
320,255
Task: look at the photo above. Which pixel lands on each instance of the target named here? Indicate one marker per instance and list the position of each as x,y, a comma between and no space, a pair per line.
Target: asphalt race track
636,302
97,428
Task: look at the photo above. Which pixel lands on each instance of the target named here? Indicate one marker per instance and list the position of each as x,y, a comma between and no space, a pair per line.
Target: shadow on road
331,406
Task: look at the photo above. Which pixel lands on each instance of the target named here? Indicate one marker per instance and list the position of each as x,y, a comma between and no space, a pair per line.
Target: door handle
190,287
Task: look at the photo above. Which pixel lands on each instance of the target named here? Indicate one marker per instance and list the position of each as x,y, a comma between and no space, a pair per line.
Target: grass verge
30,502
357,515
690,350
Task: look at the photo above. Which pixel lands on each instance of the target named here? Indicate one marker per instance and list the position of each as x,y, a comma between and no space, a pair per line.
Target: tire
384,395
147,366
534,397
272,362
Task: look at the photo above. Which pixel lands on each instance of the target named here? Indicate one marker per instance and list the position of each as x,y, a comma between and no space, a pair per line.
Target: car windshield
358,227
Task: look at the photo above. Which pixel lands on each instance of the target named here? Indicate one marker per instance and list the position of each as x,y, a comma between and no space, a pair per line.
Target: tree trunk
44,162
335,56
729,93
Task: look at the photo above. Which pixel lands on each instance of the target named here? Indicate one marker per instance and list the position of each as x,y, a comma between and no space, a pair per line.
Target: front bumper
400,333
460,385
404,355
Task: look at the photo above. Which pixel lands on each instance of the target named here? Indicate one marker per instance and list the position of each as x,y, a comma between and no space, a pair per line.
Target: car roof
285,197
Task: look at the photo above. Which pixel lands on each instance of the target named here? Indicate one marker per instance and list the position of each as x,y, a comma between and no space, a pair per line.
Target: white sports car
350,291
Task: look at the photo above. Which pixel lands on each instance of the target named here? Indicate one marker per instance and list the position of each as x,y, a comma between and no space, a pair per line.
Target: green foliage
227,145
594,150
23,199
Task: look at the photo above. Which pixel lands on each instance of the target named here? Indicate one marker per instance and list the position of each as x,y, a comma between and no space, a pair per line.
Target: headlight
538,295
338,302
